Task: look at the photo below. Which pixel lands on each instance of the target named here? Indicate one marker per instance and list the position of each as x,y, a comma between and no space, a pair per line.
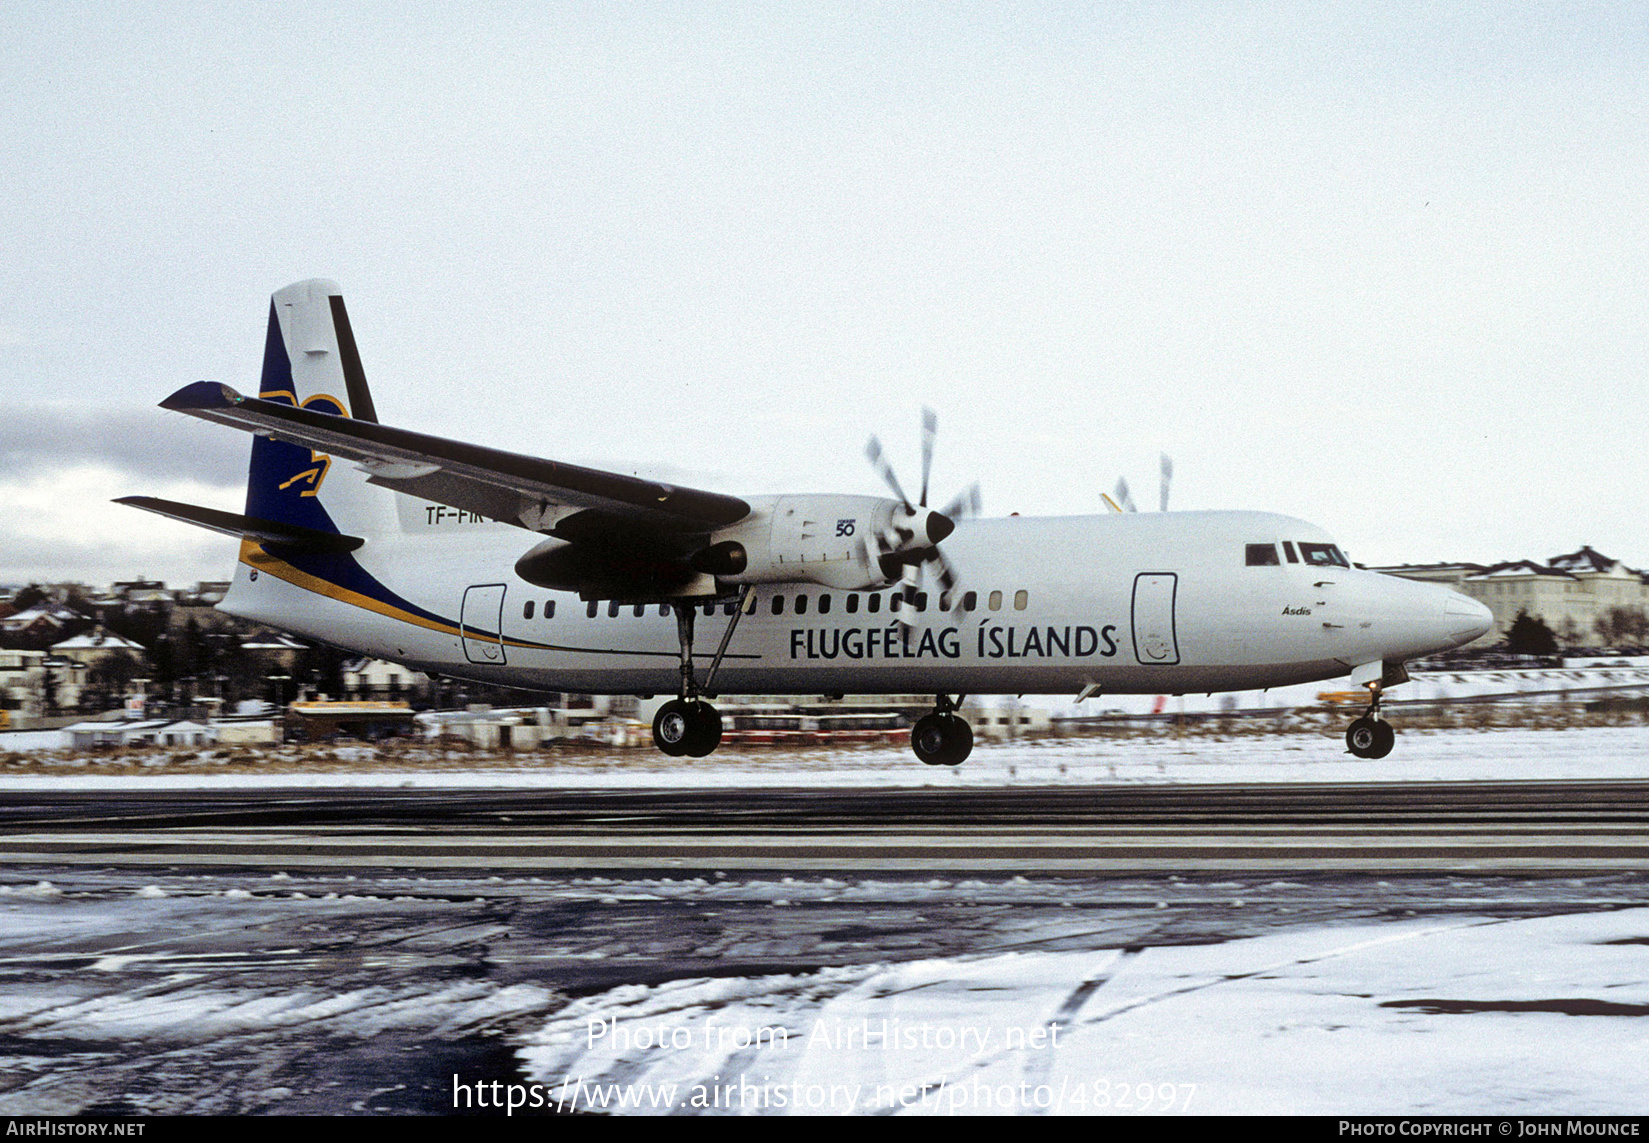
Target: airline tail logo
320,463
285,479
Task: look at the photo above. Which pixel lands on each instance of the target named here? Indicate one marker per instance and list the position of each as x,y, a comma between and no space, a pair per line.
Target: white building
1569,593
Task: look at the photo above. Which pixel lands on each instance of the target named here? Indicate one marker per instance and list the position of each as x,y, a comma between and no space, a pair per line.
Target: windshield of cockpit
1308,552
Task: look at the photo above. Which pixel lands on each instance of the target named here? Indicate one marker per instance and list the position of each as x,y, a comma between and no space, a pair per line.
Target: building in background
1585,598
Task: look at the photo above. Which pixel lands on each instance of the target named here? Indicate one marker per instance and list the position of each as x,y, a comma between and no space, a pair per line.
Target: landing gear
1371,736
688,727
1367,738
944,737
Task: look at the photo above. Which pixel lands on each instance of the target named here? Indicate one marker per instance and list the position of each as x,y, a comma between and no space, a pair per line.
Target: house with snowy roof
91,647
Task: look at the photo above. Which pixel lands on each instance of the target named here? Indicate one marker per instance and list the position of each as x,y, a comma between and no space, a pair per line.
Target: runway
1410,827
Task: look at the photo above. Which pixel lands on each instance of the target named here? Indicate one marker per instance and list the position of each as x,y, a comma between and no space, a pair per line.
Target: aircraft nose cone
939,526
1467,618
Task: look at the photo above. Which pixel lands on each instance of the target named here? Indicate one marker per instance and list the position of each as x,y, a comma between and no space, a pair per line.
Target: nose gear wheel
1371,736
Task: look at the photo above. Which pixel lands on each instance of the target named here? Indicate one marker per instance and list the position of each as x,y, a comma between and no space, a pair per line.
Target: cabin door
1155,641
482,623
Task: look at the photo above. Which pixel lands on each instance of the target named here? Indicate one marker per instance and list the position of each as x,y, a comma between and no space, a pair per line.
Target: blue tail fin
310,360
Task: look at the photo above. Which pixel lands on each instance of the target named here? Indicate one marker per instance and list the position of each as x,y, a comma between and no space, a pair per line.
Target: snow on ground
1421,755
1461,1016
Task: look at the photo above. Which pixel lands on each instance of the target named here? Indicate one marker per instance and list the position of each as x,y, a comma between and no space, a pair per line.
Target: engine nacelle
851,543
833,541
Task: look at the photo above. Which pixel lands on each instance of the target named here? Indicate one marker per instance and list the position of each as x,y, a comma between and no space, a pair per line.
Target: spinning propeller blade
911,539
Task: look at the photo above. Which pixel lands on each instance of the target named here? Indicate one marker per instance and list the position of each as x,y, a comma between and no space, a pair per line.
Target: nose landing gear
1371,736
944,737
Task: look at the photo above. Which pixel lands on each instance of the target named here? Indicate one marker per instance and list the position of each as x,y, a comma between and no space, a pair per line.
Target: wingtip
201,395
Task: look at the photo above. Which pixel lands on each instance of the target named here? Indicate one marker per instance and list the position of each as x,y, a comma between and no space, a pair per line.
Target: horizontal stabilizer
234,524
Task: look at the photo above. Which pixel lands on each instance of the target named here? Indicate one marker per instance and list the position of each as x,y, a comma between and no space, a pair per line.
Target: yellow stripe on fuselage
253,556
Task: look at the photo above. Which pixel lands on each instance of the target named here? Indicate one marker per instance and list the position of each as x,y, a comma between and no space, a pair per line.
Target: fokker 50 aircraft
466,561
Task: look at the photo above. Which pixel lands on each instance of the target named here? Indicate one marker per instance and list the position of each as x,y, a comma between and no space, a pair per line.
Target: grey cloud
147,443
100,560
157,445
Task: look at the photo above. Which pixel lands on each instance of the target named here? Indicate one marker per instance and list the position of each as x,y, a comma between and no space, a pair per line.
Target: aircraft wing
521,490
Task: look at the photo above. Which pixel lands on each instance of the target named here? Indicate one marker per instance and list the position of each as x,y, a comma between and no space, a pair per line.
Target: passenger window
801,605
1263,556
1021,599
664,611
970,600
526,610
944,601
589,609
549,609
639,610
895,601
921,601
730,608
612,610
824,605
873,603
995,601
1288,550
778,605
853,603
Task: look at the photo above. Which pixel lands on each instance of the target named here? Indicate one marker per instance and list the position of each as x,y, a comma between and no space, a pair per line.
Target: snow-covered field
1420,755
1465,1016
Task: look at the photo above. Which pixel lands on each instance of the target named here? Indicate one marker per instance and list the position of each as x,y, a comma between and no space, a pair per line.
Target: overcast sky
1379,266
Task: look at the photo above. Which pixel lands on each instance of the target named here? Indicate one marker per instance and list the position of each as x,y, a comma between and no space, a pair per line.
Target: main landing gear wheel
941,739
1370,738
686,727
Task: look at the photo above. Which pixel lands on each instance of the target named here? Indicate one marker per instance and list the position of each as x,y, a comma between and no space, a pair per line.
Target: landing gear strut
688,725
1371,736
944,737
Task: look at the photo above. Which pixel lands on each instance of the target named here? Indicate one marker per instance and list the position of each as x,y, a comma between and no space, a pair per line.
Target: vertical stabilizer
310,360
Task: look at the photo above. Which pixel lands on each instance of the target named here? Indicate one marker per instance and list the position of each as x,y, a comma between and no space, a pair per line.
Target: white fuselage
1121,603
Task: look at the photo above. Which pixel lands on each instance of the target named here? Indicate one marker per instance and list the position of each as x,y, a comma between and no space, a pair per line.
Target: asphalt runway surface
1359,827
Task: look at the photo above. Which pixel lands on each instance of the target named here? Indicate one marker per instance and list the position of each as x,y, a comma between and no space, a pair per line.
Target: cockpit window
1322,555
1262,555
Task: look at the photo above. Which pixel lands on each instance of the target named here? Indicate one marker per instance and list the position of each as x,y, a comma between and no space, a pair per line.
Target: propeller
1123,501
911,539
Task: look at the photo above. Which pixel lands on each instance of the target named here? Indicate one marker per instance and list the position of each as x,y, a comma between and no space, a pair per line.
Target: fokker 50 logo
320,461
